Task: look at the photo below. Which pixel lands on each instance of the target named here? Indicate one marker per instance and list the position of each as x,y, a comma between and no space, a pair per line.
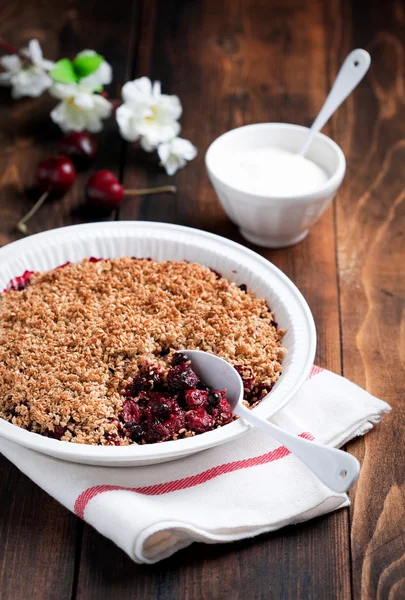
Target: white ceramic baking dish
162,241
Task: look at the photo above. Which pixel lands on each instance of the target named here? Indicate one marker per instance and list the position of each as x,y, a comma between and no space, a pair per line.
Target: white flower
79,109
34,54
103,75
12,65
175,154
26,78
147,114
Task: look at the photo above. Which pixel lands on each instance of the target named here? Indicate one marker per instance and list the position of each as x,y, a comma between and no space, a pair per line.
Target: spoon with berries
335,468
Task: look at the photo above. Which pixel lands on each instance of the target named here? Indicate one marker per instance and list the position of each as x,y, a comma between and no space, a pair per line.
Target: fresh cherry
104,191
80,146
55,175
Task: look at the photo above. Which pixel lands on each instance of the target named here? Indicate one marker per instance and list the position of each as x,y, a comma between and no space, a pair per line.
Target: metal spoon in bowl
337,469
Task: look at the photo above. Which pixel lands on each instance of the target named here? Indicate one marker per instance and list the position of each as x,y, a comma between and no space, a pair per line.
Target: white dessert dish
280,215
162,241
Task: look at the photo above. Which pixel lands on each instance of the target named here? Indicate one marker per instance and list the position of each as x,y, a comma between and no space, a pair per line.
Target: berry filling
182,377
17,284
167,405
166,400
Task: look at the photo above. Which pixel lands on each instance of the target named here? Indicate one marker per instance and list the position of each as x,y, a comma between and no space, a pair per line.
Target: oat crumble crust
72,340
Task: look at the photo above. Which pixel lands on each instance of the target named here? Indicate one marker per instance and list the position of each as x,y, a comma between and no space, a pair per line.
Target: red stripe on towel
182,484
315,371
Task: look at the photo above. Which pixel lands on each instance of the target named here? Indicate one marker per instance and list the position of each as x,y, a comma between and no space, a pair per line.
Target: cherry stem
163,189
21,225
7,47
13,50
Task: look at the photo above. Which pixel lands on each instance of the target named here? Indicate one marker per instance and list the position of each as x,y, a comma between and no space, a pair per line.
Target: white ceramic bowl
161,241
270,221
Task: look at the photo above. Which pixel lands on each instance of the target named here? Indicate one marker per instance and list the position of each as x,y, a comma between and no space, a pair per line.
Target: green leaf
63,72
86,65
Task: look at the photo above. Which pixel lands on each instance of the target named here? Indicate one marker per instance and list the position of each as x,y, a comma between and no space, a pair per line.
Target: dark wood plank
27,132
371,233
246,569
38,538
232,64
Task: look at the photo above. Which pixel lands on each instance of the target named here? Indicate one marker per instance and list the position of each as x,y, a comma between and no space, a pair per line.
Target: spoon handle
351,73
337,469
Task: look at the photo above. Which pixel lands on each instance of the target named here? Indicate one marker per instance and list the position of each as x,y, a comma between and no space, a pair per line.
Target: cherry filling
166,404
19,283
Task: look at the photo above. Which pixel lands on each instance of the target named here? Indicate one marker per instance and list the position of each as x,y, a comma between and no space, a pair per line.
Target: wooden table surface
233,63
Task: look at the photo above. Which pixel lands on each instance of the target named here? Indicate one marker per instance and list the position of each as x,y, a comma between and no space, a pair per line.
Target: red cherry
104,191
80,146
56,174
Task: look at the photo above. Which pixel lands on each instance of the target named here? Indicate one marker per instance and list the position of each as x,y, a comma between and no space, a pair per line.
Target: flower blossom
80,109
148,115
26,72
175,154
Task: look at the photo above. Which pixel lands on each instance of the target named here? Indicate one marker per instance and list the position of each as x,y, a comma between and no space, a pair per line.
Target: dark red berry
222,413
214,398
57,433
175,422
56,174
182,377
134,430
203,387
20,283
160,406
139,384
103,190
155,432
196,398
179,358
199,420
155,377
80,146
243,287
131,412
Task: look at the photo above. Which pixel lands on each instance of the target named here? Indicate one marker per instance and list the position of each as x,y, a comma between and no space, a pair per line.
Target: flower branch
146,115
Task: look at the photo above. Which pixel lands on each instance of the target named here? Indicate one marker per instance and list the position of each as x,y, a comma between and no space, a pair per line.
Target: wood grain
371,241
234,63
27,133
224,61
38,538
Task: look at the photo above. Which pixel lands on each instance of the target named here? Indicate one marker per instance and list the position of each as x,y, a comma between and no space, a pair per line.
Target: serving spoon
337,469
351,73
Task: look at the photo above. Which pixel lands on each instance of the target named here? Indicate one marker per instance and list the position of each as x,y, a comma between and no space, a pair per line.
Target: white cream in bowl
272,193
272,171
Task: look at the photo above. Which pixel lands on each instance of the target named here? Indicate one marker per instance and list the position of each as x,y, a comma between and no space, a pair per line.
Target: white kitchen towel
241,489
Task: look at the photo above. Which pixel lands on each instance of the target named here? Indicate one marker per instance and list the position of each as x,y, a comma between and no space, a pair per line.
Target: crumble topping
75,338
